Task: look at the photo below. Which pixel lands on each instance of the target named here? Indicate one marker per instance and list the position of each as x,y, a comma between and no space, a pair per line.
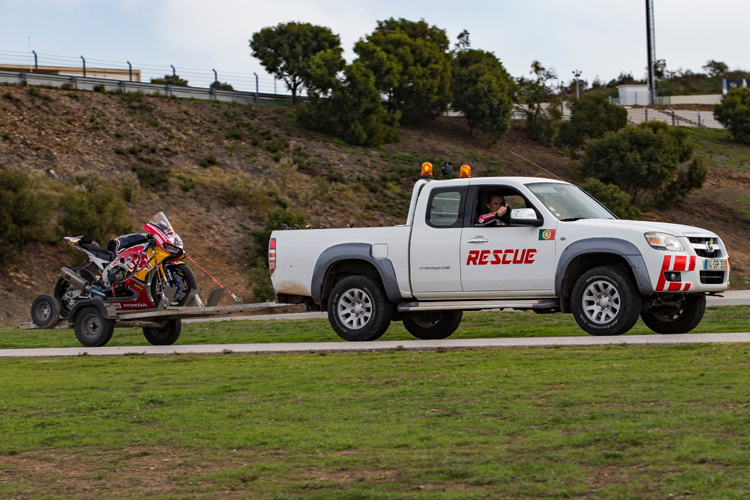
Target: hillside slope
215,169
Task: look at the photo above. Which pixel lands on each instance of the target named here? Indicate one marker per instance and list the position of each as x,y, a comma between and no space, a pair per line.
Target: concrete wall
695,99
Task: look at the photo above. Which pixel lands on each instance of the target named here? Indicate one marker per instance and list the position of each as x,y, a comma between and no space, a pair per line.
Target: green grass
719,151
619,422
474,325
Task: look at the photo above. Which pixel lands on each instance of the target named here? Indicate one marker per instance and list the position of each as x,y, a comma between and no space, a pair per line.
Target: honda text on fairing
133,272
559,251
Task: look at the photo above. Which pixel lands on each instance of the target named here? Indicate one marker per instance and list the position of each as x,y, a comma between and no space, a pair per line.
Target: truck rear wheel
432,325
605,301
677,319
358,309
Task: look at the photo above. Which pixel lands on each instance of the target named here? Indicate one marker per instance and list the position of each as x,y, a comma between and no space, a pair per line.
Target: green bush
612,197
734,114
150,177
24,217
592,116
644,159
91,210
209,161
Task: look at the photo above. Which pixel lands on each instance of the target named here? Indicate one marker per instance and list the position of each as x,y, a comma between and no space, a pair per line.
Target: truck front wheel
358,309
432,325
678,319
605,301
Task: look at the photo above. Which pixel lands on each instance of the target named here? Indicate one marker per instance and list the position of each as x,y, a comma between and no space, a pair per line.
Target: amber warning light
426,170
272,255
465,171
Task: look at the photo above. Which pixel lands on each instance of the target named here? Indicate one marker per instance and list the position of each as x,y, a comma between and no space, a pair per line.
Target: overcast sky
600,38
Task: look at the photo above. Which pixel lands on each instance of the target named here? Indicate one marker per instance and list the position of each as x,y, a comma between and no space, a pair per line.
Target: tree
175,81
222,86
287,49
612,197
715,68
353,111
482,91
463,42
24,217
411,65
734,114
591,117
542,106
644,158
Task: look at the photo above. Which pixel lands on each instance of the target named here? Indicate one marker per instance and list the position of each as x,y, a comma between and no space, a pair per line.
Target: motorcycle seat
87,243
126,241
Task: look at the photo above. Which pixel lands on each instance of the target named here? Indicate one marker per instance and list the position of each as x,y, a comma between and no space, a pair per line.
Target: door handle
477,240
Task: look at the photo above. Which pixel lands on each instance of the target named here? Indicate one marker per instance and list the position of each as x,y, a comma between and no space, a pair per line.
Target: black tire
45,311
433,325
606,301
92,329
678,319
358,309
166,335
182,278
62,286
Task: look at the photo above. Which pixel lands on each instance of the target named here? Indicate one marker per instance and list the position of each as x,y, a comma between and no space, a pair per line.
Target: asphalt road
741,297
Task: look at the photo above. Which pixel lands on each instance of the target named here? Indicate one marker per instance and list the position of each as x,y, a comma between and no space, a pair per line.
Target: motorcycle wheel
182,278
62,286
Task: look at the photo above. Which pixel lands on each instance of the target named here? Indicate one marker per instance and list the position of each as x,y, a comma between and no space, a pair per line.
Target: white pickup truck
559,251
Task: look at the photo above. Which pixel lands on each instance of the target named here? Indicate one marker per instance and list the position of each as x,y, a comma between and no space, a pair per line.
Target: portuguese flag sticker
546,234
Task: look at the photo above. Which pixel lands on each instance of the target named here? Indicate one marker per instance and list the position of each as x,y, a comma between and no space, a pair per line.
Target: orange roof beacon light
426,170
464,172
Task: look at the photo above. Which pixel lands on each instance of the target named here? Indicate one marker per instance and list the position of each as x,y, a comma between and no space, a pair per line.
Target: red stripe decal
692,263
680,263
660,285
687,286
674,287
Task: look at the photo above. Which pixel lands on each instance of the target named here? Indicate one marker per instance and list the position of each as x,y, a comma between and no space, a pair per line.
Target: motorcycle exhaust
77,281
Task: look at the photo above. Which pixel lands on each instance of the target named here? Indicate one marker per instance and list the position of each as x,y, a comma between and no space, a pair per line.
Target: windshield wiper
571,219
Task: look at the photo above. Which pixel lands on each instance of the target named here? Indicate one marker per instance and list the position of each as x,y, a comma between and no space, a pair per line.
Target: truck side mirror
524,217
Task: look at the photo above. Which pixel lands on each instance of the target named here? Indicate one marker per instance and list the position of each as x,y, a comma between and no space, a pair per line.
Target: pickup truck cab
559,251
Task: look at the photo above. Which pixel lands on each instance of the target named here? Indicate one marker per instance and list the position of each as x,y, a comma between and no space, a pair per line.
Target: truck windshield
567,202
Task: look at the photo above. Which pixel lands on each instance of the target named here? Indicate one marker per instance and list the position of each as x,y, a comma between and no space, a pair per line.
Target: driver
497,212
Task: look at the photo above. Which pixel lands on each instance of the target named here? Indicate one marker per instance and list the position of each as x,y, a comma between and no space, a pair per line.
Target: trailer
94,320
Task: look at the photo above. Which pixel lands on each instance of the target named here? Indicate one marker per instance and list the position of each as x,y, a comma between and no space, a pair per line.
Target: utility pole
577,74
651,47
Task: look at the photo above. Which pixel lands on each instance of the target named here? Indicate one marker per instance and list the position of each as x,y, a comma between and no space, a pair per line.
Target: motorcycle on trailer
132,272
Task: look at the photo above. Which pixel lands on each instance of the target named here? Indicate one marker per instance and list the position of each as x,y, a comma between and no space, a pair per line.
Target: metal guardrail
108,85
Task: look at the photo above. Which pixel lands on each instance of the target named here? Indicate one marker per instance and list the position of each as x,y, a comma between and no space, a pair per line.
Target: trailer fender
107,312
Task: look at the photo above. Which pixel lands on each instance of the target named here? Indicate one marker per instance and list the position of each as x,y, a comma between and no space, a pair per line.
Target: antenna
526,159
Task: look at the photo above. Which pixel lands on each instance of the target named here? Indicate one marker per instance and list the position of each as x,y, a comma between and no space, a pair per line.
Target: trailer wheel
165,335
605,301
678,319
432,325
45,311
92,329
358,309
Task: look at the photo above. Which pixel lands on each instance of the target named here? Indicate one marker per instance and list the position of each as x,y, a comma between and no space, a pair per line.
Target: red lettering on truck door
497,256
473,255
516,258
505,257
530,253
483,257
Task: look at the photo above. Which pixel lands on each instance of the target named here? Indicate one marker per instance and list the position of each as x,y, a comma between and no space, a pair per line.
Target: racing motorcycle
133,272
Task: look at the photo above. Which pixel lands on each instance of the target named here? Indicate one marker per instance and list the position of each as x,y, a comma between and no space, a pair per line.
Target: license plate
716,264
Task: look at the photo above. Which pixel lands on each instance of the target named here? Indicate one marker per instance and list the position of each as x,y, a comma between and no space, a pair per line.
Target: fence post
130,72
699,118
84,66
36,66
645,110
256,87
673,119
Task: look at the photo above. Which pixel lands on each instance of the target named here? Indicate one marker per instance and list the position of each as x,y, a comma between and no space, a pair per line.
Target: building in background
105,73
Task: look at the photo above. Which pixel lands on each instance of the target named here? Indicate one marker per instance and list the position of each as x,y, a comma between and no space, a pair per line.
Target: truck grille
701,247
712,277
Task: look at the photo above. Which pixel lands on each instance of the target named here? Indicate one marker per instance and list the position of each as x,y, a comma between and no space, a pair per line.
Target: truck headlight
664,241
